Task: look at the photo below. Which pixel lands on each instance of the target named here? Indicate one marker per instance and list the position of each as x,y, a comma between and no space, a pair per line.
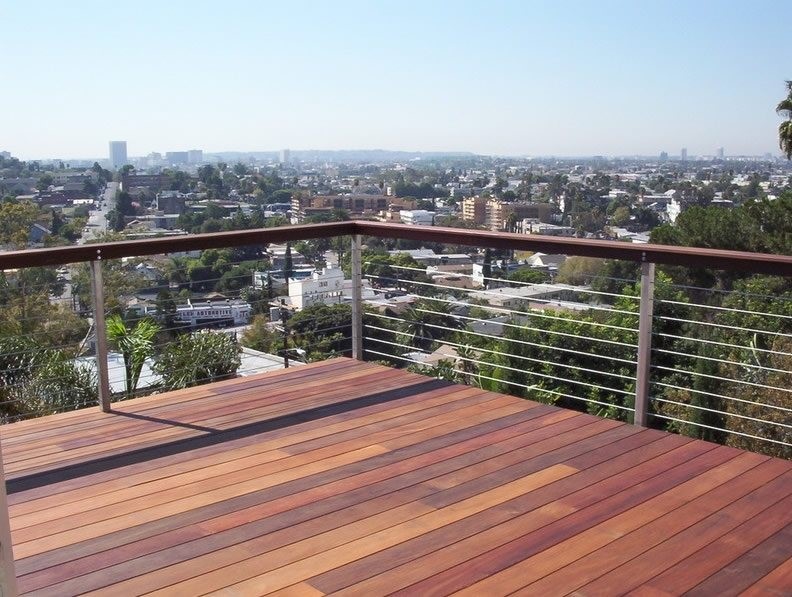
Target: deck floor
351,478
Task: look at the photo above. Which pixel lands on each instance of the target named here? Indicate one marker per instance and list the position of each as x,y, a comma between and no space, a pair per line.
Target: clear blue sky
504,77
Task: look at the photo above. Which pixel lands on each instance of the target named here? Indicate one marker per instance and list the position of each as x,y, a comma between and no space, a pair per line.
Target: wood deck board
351,478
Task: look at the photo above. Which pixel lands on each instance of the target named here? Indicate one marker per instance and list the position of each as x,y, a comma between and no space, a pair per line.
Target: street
97,220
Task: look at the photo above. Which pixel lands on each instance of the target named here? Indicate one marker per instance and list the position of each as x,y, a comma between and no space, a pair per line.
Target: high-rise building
683,154
474,209
285,156
176,157
195,156
663,156
118,154
720,153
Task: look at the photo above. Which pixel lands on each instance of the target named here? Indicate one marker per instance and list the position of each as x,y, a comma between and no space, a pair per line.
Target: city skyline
507,78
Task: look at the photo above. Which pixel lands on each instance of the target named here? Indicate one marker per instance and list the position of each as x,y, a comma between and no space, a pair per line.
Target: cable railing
656,349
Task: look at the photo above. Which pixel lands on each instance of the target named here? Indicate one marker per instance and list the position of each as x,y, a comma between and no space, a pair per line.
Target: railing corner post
357,299
100,331
643,368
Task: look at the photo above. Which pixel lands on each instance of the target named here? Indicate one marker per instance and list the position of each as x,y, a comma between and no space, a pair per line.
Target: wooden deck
347,477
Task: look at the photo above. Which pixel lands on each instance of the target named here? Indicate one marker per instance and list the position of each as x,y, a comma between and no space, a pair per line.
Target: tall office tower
720,153
175,158
118,154
683,154
285,156
195,156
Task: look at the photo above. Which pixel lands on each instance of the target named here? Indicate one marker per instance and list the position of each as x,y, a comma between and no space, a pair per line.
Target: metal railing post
100,331
644,344
357,299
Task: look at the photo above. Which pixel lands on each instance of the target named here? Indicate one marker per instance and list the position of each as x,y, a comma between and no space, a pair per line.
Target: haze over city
507,77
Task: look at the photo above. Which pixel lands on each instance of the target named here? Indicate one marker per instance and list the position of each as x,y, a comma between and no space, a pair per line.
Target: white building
325,287
530,226
118,154
204,313
417,217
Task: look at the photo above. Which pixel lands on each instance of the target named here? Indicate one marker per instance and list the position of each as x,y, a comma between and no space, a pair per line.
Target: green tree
59,385
529,276
199,358
135,344
16,218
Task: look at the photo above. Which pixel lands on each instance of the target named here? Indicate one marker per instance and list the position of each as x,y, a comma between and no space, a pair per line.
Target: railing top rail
171,244
665,254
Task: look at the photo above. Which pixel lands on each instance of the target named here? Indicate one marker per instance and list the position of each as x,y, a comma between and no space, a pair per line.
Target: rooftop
345,475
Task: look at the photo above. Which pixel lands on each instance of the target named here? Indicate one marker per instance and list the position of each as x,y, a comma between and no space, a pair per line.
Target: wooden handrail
667,254
763,263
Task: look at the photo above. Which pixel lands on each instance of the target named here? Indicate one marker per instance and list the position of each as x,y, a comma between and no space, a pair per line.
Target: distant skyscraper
683,154
118,154
663,156
720,153
285,156
195,156
177,157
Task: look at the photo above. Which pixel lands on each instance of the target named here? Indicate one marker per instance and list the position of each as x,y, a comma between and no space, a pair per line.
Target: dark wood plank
676,552
570,571
726,549
748,568
778,580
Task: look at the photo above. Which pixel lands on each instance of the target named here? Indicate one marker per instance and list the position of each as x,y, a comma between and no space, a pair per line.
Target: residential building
277,255
325,287
206,313
546,261
417,217
304,205
172,202
474,209
534,296
137,183
118,154
37,234
285,156
501,215
530,226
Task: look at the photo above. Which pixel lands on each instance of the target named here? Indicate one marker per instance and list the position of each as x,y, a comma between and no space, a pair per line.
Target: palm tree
467,366
784,109
136,344
417,324
428,321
